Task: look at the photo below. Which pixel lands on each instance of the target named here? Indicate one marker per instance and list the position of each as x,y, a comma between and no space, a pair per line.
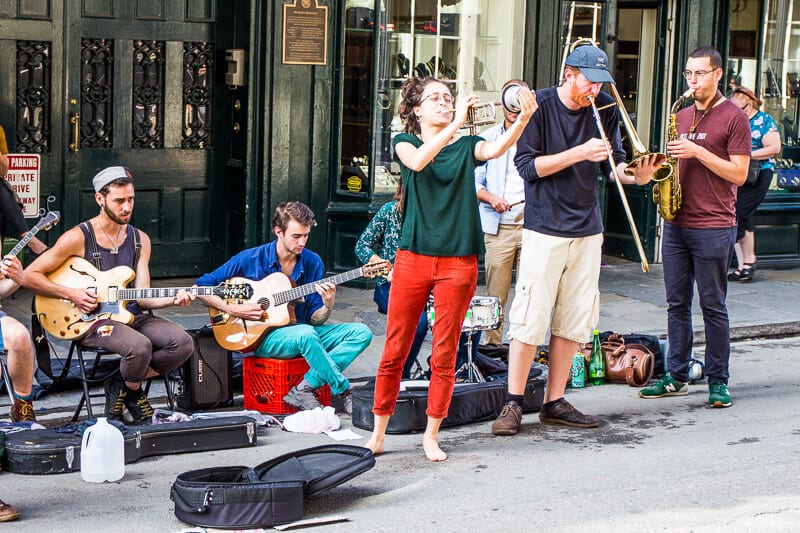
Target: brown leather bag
625,363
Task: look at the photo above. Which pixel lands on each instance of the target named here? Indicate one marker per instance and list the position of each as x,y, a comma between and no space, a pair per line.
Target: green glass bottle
597,364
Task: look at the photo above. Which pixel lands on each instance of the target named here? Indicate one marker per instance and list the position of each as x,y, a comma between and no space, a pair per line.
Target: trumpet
485,113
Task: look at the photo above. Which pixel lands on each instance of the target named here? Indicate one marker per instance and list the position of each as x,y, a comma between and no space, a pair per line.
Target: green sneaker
666,386
718,395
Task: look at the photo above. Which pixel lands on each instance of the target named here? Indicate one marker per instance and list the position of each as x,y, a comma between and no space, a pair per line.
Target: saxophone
667,190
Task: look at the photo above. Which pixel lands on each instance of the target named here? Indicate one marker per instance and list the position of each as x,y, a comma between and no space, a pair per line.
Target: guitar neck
294,293
164,292
23,242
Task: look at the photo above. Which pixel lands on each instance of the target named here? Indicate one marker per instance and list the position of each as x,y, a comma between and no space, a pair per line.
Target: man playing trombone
558,156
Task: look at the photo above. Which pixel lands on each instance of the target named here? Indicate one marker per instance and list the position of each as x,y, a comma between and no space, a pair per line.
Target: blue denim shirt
261,261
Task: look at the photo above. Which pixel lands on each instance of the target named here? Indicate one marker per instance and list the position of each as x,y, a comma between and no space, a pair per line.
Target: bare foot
432,450
375,444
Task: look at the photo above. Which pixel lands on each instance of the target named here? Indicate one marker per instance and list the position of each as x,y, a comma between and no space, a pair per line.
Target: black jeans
697,256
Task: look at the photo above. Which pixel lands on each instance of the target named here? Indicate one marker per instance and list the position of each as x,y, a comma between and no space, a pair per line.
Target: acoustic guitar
62,318
273,294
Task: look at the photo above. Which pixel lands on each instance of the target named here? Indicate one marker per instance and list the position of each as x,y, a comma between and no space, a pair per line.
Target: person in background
501,193
766,143
379,241
439,243
713,152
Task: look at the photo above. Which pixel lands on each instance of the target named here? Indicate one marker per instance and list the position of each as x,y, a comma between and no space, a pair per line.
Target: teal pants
328,349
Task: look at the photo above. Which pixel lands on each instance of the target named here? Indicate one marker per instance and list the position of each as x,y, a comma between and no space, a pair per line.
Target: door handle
75,120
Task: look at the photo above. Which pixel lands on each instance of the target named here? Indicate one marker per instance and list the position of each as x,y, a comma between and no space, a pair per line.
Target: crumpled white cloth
313,421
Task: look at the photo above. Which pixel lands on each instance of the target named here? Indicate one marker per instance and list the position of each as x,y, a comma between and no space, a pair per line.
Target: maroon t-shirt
708,200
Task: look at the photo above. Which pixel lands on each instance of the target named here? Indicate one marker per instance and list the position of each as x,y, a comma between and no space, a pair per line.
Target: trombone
639,150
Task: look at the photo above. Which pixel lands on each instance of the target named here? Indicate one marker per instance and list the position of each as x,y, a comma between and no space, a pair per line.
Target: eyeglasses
437,97
701,74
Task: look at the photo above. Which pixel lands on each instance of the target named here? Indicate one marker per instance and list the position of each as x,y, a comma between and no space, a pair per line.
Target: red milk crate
266,381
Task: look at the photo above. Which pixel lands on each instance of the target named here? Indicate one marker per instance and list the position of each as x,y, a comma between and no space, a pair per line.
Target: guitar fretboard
170,292
294,293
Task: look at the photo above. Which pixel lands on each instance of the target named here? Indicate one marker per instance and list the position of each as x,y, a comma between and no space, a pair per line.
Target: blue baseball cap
592,62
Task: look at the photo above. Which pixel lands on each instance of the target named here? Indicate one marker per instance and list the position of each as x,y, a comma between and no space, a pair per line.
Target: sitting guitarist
328,348
150,346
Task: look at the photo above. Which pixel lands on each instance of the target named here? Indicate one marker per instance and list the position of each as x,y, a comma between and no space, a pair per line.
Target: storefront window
780,85
472,45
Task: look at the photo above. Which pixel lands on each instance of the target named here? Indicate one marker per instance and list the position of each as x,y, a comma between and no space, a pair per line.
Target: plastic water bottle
102,453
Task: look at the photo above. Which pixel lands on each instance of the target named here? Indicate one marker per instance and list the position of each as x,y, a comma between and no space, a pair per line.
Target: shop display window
474,46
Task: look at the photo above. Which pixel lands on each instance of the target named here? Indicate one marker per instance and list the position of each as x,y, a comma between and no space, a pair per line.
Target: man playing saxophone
713,152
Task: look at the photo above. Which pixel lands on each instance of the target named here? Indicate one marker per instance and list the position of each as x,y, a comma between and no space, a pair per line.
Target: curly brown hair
412,97
293,211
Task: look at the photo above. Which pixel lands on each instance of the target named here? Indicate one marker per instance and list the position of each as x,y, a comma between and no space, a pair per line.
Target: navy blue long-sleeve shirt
564,204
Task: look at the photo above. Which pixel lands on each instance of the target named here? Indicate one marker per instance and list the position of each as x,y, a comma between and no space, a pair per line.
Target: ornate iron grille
198,70
33,97
148,94
97,93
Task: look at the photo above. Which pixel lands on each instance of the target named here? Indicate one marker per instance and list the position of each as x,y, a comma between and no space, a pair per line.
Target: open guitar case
51,451
269,494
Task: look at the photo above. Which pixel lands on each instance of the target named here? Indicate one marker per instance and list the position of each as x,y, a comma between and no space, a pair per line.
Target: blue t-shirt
261,261
564,204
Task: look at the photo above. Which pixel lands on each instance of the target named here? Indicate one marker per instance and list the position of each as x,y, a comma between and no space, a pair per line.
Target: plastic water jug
102,453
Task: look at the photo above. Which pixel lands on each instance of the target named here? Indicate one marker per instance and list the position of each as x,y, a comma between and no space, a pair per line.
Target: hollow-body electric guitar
273,294
62,318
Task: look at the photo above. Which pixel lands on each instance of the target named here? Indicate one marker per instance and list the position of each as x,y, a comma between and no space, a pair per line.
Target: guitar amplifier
206,376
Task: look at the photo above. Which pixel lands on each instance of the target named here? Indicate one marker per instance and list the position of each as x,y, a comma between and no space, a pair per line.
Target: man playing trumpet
558,156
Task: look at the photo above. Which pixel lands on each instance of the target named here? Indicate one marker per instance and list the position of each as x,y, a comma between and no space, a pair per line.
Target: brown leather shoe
509,419
22,411
562,412
7,512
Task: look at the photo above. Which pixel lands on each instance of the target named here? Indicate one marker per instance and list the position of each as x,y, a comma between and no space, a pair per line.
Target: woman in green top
439,243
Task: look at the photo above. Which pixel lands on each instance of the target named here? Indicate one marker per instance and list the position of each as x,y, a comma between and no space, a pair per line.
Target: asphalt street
657,465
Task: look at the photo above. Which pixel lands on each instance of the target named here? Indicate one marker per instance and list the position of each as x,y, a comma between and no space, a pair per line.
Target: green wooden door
139,85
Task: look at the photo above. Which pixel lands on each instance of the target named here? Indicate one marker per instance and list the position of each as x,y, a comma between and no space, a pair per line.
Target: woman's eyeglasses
437,97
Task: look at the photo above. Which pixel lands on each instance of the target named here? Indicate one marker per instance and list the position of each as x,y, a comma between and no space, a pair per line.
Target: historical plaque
305,33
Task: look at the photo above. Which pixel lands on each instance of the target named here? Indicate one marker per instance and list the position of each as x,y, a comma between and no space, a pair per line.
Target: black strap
137,245
93,240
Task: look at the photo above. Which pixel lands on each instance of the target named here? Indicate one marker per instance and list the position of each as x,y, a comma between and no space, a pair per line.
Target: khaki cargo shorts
558,278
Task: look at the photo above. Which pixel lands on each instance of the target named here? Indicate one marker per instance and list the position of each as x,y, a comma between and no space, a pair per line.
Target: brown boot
562,412
7,512
22,411
509,420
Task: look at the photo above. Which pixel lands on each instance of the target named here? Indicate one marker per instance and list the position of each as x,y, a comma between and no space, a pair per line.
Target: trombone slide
623,198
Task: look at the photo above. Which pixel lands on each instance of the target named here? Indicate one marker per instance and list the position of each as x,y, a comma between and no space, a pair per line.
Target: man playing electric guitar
149,346
328,348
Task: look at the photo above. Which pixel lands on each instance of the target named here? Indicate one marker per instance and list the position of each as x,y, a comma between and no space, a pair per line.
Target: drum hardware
484,313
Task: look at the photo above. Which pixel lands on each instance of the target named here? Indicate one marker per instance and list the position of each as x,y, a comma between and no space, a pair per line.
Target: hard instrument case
48,451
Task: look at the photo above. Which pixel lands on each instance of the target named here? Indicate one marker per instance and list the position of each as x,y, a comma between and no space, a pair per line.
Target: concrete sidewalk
631,301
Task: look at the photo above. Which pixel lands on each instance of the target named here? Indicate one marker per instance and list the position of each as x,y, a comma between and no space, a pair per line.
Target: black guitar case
48,451
272,493
472,402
